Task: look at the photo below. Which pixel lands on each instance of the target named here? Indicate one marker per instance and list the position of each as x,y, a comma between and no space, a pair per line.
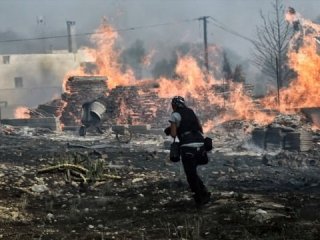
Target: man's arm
173,129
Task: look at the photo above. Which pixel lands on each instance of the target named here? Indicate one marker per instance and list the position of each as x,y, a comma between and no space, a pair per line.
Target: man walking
185,125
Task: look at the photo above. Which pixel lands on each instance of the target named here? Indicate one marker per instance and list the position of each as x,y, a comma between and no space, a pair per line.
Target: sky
242,16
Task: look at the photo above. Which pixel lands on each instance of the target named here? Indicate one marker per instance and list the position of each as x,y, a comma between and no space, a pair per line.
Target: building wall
33,79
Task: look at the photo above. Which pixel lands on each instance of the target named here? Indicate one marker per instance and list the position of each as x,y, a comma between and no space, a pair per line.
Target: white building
32,79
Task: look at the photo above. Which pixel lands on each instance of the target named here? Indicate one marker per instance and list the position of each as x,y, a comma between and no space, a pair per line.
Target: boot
202,199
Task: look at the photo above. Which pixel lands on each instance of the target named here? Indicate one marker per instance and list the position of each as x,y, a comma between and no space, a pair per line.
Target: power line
102,32
223,27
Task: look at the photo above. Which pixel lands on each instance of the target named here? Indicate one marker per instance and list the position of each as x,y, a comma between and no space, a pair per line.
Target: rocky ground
61,186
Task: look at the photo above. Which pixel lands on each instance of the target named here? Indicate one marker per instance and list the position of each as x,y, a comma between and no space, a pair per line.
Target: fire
193,83
243,106
304,90
148,58
190,81
125,113
106,59
22,112
59,113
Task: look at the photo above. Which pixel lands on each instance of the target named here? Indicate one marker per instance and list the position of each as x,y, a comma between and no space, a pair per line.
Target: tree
238,75
226,68
272,45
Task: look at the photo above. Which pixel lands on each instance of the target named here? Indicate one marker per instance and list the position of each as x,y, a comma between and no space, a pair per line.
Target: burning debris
80,90
289,132
128,101
125,177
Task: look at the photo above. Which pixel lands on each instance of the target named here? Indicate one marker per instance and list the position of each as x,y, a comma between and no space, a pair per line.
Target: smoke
42,78
167,40
127,13
133,57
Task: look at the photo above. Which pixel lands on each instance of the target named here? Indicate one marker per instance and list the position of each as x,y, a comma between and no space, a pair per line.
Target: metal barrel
97,109
85,114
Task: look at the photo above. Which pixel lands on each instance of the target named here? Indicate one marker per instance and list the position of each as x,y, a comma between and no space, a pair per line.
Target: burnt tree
271,46
238,75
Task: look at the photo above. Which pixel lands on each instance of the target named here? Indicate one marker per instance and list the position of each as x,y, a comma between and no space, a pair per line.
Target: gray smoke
143,25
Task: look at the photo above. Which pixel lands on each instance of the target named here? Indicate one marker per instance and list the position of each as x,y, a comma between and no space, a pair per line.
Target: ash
56,185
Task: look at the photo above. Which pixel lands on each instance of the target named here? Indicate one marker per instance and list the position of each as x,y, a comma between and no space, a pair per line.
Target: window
6,59
18,82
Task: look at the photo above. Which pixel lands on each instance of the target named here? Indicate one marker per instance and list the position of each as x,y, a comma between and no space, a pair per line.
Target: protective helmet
178,101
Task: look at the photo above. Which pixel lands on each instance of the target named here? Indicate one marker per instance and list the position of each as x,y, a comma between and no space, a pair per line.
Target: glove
167,131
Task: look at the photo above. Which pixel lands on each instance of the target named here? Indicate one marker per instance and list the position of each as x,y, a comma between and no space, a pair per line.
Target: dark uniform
189,132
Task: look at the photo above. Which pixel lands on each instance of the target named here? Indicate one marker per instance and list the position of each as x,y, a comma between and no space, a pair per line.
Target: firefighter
185,125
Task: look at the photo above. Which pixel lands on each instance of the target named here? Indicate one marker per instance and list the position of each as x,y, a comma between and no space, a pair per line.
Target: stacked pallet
301,141
135,105
278,138
120,104
273,138
124,104
80,89
50,109
259,137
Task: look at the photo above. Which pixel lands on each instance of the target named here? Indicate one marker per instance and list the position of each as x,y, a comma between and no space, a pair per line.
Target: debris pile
289,132
51,109
78,91
135,105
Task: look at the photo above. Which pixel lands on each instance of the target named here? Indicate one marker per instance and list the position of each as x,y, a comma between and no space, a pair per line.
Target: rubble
96,187
255,195
289,132
78,91
51,123
123,103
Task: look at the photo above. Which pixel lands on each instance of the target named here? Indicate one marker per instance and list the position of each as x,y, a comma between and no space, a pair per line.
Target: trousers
190,158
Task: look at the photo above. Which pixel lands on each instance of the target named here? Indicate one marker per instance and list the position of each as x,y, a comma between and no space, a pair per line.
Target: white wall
42,76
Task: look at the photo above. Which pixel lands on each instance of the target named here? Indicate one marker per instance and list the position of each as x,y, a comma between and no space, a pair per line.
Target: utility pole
205,41
42,29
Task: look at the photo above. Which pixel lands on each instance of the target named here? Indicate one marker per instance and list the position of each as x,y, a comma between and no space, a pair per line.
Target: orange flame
22,112
106,59
193,82
304,90
148,58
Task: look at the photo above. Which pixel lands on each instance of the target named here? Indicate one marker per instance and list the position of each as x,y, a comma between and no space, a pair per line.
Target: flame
191,81
59,113
106,59
22,112
304,90
125,113
146,61
291,15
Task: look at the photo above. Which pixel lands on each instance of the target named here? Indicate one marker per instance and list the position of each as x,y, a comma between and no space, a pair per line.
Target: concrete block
143,129
157,131
120,129
50,122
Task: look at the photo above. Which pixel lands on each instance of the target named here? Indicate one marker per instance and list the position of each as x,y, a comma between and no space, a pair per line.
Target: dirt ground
133,192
